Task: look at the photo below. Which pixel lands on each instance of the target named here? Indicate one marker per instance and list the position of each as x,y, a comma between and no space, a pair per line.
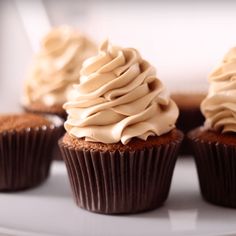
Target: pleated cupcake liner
216,167
120,182
56,154
25,157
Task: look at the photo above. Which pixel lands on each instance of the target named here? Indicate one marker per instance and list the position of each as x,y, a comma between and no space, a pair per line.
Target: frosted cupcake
121,143
214,144
55,68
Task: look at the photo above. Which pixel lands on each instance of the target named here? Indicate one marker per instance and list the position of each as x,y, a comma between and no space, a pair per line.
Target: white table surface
50,210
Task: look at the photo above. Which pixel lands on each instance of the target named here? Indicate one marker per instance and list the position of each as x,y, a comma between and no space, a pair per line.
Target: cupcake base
215,157
41,109
117,178
26,154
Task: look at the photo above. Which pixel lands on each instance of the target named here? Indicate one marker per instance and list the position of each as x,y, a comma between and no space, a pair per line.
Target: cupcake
190,115
214,144
55,68
121,144
26,142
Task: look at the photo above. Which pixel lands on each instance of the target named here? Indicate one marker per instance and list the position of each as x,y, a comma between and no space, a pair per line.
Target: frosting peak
219,107
57,65
119,98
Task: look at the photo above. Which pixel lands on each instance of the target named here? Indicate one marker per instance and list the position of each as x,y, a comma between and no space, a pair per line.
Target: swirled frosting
57,65
119,97
219,107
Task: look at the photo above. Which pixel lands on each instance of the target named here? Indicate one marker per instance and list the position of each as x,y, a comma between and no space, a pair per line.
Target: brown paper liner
216,167
56,154
25,157
120,182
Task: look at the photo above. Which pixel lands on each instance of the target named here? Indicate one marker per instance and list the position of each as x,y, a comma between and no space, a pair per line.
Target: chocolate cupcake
190,115
214,144
121,143
26,144
55,69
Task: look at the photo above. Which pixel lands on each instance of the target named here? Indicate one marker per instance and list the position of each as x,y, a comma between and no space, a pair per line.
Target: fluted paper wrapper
120,182
56,153
25,157
216,167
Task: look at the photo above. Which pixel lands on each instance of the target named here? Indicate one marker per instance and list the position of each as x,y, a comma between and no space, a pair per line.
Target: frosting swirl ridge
119,98
219,107
56,66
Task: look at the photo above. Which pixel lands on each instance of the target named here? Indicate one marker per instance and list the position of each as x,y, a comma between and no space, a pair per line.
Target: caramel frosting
56,66
119,97
219,107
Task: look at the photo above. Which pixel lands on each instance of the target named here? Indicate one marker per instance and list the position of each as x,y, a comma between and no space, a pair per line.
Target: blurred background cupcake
121,144
55,69
190,115
214,144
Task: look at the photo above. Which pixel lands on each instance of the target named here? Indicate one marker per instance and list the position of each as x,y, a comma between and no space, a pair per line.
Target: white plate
50,210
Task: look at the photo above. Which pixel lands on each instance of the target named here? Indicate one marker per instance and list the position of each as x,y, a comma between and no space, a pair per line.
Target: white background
183,39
